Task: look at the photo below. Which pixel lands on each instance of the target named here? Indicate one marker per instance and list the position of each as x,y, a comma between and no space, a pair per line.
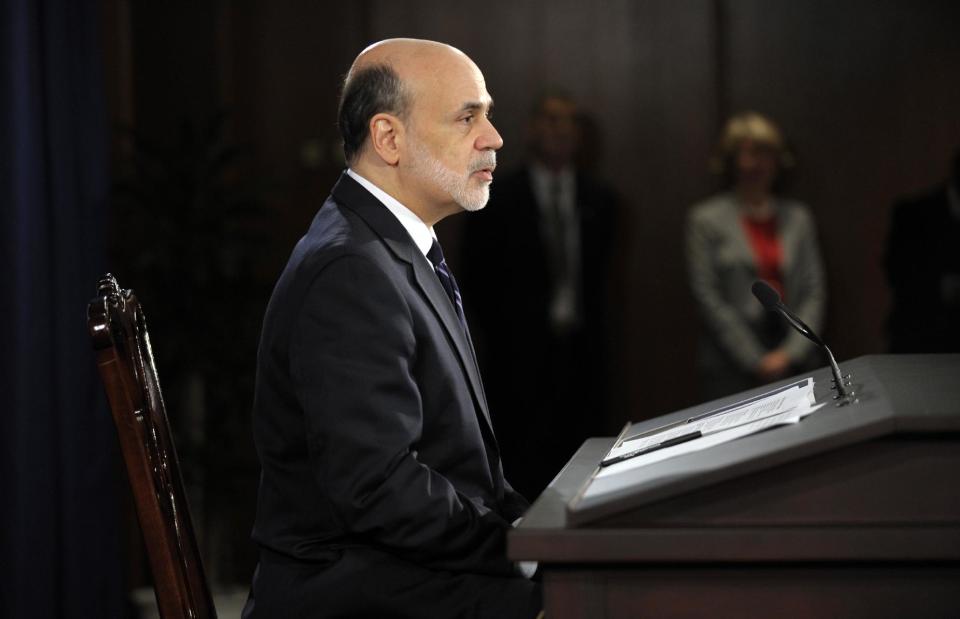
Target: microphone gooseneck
770,299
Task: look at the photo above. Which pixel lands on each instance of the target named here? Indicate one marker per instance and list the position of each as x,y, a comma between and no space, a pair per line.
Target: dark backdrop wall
865,89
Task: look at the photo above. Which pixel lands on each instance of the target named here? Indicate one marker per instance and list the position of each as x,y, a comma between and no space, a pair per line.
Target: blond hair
749,126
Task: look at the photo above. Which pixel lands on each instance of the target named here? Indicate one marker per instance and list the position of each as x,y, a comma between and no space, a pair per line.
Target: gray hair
367,92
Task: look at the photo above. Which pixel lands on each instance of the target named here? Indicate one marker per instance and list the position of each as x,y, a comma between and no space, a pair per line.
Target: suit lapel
732,220
437,296
352,195
785,232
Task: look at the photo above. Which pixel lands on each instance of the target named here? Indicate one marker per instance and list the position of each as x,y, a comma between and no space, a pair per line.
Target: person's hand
773,365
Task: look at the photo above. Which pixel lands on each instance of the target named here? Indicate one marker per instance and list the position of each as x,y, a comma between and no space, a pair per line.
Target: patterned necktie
435,255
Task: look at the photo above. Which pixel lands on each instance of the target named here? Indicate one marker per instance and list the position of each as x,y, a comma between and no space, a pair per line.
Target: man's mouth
485,173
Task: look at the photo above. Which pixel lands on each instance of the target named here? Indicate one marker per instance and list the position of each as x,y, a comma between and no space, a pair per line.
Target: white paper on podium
786,405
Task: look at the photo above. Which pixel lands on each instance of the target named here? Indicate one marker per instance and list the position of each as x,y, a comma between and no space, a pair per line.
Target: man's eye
467,119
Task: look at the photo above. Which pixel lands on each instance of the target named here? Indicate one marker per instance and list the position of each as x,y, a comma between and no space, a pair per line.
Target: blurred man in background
538,303
923,269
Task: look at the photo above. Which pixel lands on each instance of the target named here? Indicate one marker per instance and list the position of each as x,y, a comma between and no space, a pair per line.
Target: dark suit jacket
923,269
379,464
546,389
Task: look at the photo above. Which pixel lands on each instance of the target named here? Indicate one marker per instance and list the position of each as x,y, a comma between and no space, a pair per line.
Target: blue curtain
59,533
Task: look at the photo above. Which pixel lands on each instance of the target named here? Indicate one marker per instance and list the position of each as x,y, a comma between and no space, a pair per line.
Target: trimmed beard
426,166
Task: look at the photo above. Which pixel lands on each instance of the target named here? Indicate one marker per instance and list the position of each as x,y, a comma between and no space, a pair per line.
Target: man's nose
489,138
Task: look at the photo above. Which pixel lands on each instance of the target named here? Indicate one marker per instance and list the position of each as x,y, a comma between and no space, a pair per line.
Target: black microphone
770,299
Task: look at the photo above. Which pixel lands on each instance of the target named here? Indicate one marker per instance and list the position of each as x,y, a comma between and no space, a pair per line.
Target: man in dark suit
923,269
382,492
538,304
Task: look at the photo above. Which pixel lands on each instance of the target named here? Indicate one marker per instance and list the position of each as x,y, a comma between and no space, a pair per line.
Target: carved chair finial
107,286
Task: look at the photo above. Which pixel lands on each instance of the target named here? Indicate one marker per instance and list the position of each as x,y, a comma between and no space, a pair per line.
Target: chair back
125,359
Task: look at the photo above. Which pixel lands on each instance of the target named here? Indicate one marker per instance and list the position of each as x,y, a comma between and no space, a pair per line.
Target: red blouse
767,250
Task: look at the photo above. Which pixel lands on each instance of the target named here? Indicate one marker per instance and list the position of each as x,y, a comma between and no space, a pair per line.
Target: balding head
414,116
386,77
406,55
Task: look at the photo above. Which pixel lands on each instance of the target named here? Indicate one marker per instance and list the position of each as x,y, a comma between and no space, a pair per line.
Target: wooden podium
853,512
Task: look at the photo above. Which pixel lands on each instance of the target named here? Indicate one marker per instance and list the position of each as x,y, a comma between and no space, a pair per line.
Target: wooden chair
125,359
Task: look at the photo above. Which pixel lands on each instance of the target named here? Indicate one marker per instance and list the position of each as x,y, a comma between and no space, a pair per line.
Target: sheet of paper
786,405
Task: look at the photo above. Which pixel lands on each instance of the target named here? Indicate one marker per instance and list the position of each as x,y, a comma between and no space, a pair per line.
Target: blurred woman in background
745,233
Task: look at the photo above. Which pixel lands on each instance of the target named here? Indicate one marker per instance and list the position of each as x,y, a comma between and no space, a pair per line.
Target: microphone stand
843,396
771,301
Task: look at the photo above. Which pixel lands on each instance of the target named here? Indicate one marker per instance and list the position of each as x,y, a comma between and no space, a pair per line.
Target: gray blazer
722,270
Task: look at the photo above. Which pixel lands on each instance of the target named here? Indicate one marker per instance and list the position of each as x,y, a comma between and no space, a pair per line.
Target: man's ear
386,135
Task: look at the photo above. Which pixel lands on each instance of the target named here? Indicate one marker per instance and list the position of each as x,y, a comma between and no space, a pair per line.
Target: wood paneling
868,93
866,90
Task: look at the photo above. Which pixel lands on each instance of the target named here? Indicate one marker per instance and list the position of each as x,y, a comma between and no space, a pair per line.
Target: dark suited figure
381,492
923,268
537,303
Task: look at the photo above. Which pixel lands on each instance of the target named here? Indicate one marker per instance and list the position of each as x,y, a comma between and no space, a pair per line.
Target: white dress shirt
556,195
422,234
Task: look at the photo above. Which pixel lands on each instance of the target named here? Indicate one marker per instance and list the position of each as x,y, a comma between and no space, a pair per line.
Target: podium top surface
904,394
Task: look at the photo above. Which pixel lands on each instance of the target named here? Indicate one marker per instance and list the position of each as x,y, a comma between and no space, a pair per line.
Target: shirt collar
544,175
546,184
422,234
